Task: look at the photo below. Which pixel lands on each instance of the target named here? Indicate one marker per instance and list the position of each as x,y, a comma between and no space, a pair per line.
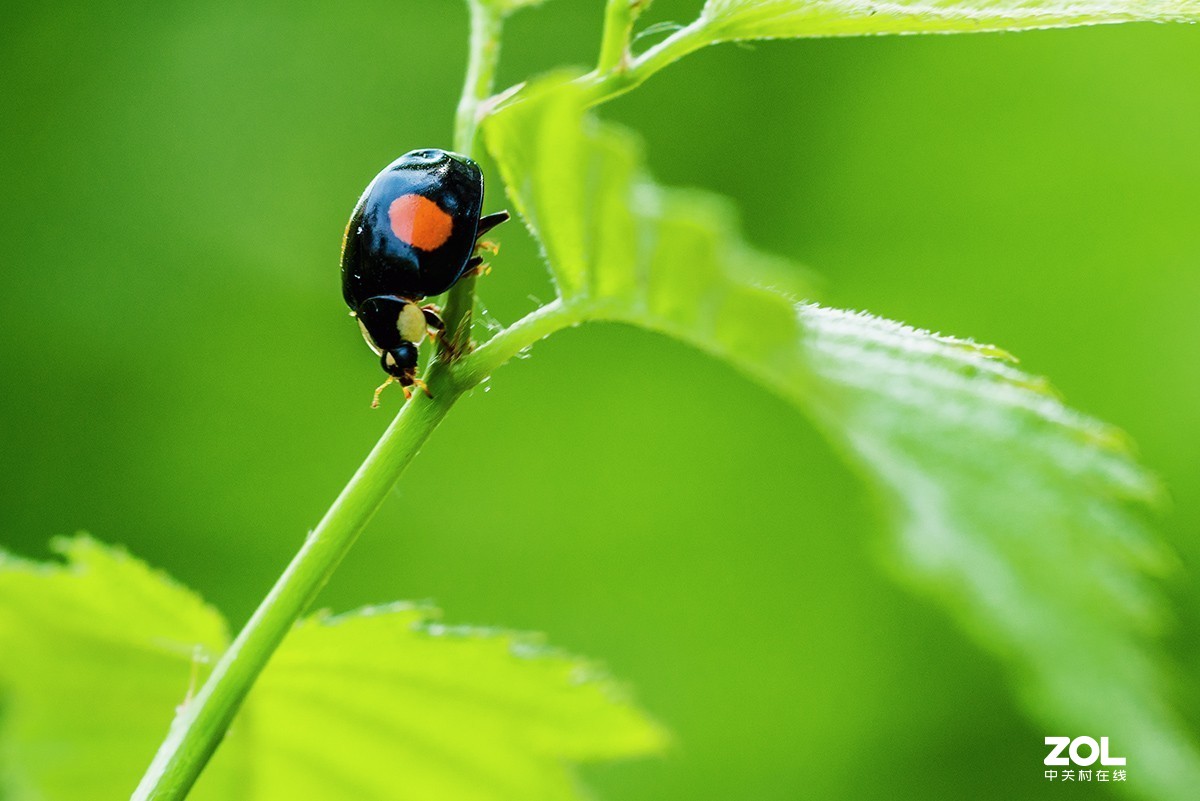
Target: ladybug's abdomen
413,230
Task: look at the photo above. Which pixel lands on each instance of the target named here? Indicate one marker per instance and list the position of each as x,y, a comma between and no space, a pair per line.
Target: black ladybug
414,232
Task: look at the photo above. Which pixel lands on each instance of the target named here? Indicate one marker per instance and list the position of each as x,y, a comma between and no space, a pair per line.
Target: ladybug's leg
476,265
422,386
379,391
486,224
489,222
433,319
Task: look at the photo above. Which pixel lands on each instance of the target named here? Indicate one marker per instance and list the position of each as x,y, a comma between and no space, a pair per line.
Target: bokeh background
179,374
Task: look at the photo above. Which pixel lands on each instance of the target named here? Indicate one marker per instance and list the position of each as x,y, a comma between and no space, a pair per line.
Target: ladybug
413,234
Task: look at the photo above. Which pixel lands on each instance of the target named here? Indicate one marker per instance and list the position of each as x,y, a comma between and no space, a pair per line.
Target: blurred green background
180,375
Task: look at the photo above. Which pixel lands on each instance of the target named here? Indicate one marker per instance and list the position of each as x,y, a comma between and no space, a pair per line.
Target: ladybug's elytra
414,232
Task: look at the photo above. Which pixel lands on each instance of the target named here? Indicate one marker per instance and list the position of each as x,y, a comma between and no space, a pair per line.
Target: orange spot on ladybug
420,222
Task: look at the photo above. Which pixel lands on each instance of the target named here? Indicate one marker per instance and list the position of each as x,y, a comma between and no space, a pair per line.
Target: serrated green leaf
1005,506
399,707
381,705
97,654
727,20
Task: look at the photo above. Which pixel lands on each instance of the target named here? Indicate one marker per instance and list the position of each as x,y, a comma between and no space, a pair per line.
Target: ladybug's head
393,327
400,362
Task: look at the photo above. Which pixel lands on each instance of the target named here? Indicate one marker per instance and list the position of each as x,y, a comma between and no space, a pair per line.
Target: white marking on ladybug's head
411,323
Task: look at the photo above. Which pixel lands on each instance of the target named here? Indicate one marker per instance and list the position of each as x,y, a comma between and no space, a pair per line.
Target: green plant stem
607,83
486,23
627,73
537,325
619,17
199,728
